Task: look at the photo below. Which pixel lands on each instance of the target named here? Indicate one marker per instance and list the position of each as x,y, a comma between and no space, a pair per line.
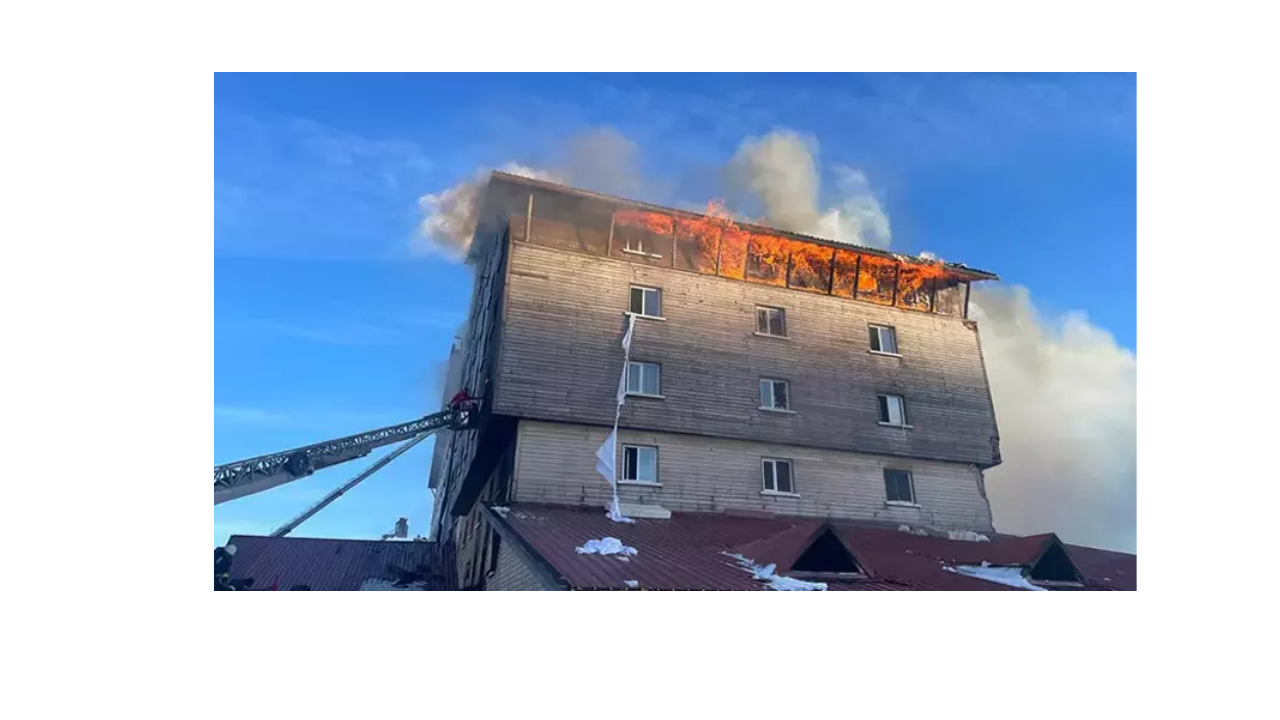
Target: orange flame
651,221
717,244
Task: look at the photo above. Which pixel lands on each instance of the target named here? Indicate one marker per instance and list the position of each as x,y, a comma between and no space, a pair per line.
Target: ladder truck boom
254,475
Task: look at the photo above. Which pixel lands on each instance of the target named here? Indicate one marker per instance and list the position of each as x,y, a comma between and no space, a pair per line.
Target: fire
716,244
651,221
875,281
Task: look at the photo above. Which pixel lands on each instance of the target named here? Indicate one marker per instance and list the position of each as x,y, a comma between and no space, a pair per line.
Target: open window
640,464
775,395
771,321
646,301
884,340
893,410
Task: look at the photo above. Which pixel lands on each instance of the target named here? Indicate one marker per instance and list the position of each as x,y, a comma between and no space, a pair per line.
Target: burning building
772,381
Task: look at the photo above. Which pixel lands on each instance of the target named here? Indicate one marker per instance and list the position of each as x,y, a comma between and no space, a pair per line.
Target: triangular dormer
826,555
1053,567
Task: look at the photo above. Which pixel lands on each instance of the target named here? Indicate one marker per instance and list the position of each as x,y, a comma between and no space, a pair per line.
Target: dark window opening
826,555
898,486
1054,566
771,321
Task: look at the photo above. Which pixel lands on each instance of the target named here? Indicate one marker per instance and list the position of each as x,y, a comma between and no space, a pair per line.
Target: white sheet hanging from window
606,457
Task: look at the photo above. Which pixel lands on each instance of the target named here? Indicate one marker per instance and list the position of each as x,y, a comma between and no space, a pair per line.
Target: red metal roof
331,564
692,551
1105,569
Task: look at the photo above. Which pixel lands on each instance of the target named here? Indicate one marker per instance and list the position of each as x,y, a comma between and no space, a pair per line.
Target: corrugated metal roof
334,564
1105,569
692,551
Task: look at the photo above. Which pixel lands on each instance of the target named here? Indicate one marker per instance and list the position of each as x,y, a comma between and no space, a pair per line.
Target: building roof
697,551
332,564
959,268
1105,569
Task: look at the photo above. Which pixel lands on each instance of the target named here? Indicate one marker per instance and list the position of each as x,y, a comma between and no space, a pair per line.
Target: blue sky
325,323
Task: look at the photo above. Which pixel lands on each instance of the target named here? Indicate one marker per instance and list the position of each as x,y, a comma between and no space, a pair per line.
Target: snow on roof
1011,576
768,574
969,535
606,546
373,584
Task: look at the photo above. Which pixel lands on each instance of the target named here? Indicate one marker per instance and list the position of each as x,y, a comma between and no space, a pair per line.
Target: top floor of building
713,244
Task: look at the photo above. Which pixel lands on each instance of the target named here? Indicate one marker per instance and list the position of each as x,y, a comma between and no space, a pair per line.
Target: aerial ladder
247,477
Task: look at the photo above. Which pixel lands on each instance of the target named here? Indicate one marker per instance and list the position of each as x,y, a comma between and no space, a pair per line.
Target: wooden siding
561,358
474,370
512,573
555,464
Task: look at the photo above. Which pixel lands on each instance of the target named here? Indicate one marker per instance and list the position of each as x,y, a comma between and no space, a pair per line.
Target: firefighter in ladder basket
463,403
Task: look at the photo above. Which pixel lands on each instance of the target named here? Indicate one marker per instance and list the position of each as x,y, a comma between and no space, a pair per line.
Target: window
884,340
771,321
774,395
634,242
898,486
646,301
640,464
777,476
644,378
892,410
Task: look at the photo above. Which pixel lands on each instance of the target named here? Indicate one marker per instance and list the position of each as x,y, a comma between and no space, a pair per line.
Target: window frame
902,410
641,393
639,235
791,477
782,320
644,309
911,487
657,473
773,395
876,331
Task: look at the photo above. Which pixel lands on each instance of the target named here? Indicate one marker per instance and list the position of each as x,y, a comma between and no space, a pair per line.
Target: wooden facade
554,271
555,465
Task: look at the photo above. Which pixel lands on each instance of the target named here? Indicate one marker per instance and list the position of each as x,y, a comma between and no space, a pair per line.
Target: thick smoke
602,160
780,170
1064,391
449,216
1066,400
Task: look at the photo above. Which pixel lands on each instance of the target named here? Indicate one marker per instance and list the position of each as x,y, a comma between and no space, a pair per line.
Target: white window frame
641,364
911,486
656,482
879,332
764,478
644,306
773,395
782,317
637,236
902,410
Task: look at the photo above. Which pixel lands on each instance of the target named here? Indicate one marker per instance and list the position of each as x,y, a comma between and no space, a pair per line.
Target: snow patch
904,528
379,584
768,573
606,546
633,584
500,511
1011,576
968,535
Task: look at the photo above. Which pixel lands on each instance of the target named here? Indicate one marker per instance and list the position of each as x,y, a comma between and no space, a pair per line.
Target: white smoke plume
781,171
1066,401
449,216
1065,393
603,160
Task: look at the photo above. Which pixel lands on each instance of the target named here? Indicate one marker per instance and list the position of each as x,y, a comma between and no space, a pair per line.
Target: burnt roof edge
958,268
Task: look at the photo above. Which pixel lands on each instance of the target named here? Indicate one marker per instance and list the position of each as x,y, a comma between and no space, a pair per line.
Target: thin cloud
251,417
351,334
321,191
